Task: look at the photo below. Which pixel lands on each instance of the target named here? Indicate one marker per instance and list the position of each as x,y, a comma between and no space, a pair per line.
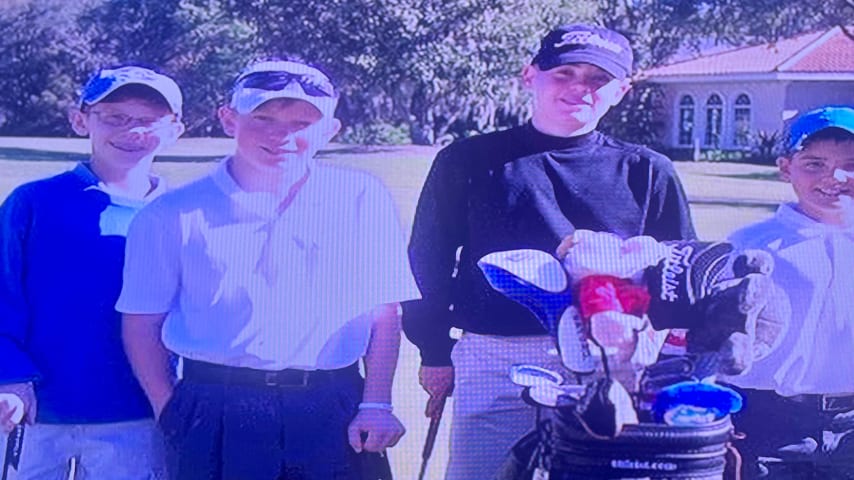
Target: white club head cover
531,278
649,346
572,340
535,267
15,404
603,253
625,409
616,332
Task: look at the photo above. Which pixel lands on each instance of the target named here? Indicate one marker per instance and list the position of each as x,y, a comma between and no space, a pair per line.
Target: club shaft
430,441
13,449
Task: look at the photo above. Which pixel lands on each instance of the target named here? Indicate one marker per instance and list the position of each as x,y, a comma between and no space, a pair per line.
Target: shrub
766,147
375,134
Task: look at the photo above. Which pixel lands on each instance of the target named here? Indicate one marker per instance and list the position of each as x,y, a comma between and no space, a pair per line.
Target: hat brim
173,93
615,69
798,144
246,100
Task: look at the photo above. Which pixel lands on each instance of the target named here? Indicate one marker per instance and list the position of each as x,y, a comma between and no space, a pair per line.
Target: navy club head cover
685,276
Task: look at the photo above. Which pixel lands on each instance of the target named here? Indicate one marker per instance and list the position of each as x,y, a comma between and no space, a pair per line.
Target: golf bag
560,449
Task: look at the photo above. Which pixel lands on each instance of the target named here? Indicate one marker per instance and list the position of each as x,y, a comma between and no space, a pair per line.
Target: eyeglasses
314,85
121,120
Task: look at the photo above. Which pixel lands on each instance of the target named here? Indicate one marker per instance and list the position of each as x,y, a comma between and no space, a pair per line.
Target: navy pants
241,430
788,439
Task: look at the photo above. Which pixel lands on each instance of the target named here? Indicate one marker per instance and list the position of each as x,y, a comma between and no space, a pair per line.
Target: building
729,101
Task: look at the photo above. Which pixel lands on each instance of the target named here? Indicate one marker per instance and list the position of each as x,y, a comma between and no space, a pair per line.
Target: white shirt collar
263,204
116,196
808,226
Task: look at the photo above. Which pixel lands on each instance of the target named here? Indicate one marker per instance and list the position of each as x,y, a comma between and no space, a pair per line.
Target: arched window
714,120
686,120
741,121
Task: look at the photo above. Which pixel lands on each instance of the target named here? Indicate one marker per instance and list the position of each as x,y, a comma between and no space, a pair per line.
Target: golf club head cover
587,253
687,274
718,294
706,398
604,269
532,278
604,408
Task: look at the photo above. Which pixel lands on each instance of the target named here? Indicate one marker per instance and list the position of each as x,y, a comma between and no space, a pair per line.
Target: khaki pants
103,451
489,414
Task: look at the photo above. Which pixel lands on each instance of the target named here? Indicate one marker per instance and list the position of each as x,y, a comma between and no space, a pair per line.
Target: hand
27,394
159,403
374,430
438,382
772,323
567,243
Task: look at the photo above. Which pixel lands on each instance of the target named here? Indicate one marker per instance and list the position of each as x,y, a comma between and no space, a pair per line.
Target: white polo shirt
244,286
814,265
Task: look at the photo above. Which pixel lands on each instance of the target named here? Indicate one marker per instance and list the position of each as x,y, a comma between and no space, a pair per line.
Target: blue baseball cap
108,80
581,43
814,121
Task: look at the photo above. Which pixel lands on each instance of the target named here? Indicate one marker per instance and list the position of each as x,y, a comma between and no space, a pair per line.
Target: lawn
723,197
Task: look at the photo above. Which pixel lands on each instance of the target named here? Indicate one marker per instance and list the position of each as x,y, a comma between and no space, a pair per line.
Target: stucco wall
767,104
804,96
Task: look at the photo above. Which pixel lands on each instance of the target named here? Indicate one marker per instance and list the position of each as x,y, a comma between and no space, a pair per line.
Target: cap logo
587,38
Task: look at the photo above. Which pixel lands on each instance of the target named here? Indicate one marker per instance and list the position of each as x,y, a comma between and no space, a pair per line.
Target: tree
42,56
194,41
436,69
429,64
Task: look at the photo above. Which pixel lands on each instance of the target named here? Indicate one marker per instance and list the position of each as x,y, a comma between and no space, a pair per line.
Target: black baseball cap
581,43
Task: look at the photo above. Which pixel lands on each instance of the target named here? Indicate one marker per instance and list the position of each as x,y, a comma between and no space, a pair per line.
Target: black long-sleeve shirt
520,188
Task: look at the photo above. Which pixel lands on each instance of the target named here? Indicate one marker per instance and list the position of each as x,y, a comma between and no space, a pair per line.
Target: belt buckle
287,378
837,403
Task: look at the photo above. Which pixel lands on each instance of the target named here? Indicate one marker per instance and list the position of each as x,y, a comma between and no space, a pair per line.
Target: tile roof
828,51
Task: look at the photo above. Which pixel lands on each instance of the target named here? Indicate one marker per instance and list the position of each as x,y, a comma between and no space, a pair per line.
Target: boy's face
573,96
819,176
282,134
126,132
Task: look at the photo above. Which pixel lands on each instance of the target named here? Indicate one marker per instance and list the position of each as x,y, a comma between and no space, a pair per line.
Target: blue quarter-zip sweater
62,242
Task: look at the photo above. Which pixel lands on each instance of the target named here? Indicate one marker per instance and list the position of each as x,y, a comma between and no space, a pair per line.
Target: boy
271,277
799,405
526,187
62,247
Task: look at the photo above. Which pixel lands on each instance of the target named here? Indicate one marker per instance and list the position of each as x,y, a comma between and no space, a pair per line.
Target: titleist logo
643,465
587,38
674,265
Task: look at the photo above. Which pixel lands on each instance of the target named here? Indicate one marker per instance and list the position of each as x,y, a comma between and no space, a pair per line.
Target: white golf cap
269,80
108,80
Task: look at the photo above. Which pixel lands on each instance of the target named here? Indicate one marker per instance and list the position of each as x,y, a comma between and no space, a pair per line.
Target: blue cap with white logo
108,80
581,43
814,121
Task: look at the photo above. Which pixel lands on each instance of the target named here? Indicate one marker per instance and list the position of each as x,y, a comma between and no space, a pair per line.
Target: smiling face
571,99
822,174
280,136
127,132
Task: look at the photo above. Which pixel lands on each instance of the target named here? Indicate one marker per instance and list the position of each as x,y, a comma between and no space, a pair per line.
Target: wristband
376,406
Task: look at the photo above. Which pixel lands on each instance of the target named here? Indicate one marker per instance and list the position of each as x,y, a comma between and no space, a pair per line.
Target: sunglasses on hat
313,85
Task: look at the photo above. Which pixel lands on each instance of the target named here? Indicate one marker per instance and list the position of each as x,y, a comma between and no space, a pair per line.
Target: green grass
724,196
